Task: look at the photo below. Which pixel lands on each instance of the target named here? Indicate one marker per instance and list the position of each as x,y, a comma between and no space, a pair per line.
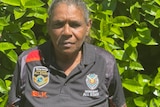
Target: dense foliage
129,29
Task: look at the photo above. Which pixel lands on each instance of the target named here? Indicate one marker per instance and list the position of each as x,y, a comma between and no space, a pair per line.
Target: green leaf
154,102
131,52
8,76
3,88
29,34
41,41
1,99
112,46
109,43
156,93
38,12
122,21
18,13
109,4
147,41
134,10
133,86
143,79
12,55
136,66
49,2
27,25
118,32
32,3
3,21
12,2
143,31
25,46
121,69
156,80
145,36
157,14
150,9
140,102
5,99
158,2
12,28
118,54
17,39
151,20
6,46
133,42
8,84
104,28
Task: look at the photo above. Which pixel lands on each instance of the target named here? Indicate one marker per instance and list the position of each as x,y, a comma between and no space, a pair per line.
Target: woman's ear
89,24
47,20
48,26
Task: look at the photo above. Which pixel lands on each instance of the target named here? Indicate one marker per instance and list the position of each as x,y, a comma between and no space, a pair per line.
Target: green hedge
129,29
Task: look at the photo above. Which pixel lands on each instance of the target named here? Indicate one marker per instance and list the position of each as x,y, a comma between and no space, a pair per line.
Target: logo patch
42,94
40,76
92,81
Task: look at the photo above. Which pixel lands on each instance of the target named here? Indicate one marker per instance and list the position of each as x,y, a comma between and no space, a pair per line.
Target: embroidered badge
92,81
40,76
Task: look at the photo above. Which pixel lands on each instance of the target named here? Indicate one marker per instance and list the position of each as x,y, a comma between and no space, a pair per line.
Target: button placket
63,88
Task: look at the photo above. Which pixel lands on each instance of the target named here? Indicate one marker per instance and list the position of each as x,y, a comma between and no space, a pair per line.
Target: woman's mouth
68,44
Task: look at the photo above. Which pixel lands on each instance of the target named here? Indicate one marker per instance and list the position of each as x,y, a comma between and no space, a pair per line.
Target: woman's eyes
74,25
58,24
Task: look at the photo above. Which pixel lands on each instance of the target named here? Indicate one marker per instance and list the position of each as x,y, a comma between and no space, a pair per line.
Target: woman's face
68,28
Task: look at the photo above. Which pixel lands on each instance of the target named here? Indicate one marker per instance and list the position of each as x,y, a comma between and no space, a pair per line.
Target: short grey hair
79,3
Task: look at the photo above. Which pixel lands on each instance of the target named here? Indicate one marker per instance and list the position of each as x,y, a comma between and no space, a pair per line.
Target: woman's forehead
64,10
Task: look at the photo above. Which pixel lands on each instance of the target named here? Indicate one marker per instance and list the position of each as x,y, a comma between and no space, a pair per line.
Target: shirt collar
88,54
48,54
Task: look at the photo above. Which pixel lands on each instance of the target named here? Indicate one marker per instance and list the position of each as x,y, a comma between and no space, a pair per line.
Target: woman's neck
68,62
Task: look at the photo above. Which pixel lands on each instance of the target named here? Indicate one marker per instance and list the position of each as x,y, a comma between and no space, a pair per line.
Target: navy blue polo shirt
38,82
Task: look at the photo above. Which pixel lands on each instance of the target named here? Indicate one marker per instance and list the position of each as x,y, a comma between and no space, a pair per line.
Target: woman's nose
67,30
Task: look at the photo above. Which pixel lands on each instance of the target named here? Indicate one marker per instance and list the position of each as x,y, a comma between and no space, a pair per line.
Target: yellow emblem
40,76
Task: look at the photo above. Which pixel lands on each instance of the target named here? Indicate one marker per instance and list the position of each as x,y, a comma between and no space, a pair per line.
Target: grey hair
78,3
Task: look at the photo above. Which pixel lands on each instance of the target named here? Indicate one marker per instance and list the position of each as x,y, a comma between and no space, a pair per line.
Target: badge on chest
40,76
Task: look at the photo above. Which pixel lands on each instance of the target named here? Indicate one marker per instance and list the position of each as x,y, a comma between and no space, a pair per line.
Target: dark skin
68,30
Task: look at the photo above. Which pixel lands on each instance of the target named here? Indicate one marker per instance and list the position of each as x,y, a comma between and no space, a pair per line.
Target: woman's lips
68,44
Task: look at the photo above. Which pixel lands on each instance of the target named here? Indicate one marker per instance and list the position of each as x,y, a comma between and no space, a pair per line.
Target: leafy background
129,29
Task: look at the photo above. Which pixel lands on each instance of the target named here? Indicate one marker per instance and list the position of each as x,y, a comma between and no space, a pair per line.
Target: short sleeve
116,94
13,93
18,83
